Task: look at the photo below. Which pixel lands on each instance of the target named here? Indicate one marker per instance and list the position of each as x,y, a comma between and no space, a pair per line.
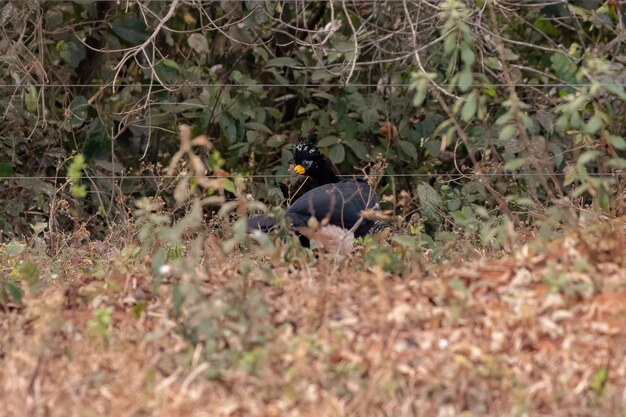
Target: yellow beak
299,169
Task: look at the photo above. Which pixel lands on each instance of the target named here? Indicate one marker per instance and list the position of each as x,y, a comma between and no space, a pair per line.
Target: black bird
331,201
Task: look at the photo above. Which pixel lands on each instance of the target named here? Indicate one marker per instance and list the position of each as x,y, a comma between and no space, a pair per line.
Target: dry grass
540,332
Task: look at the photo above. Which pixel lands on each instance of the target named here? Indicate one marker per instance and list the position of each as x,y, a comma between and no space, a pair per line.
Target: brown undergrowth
538,332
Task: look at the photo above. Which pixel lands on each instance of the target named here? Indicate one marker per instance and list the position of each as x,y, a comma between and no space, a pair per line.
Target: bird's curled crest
305,150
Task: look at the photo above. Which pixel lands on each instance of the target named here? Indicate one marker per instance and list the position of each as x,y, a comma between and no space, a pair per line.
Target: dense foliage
481,109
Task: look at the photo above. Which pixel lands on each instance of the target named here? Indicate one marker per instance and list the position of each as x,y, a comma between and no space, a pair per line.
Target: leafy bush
475,105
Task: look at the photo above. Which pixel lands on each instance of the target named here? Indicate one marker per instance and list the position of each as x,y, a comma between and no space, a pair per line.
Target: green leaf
53,19
343,46
514,164
433,146
240,228
454,204
177,300
429,199
546,27
467,55
71,52
616,89
259,127
274,112
170,63
309,107
283,61
562,124
593,125
276,141
529,124
78,112
6,169
491,92
321,75
469,107
229,128
407,148
598,381
138,309
526,202
31,99
228,185
13,248
383,257
585,14
182,191
370,117
617,163
15,292
79,191
465,79
458,285
98,145
460,216
130,29
618,142
166,73
493,63
74,171
546,120
358,148
560,62
507,132
337,153
588,156
421,90
328,141
406,241
28,272
505,118
450,43
482,212
575,120
580,190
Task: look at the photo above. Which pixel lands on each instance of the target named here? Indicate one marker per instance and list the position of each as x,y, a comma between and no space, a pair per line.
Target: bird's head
310,161
308,158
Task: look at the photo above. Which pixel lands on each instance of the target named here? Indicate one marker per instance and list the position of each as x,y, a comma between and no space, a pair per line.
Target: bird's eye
307,164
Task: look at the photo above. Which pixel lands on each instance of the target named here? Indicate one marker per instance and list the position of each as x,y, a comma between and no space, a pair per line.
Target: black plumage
331,201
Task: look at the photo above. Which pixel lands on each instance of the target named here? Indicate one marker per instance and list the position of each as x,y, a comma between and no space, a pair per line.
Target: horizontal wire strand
360,85
261,176
537,3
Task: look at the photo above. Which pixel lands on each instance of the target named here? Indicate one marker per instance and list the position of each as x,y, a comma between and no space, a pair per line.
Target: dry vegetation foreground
538,332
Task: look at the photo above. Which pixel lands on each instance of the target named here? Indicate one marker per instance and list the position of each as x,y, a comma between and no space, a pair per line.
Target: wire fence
279,176
381,84
306,85
520,3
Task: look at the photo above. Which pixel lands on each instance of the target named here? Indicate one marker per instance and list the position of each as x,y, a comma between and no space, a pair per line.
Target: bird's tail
261,222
